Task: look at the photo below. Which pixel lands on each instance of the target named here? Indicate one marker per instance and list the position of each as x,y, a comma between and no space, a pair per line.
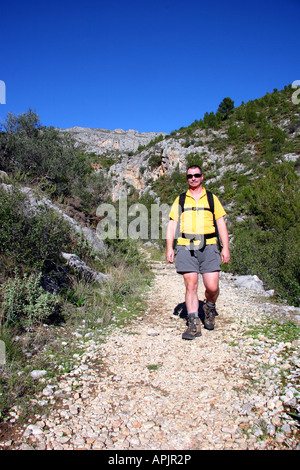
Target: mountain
101,141
256,134
249,156
250,160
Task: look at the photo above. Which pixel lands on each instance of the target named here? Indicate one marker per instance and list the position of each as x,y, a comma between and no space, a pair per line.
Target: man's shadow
181,311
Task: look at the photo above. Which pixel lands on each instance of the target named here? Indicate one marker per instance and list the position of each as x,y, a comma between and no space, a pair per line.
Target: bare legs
211,284
191,295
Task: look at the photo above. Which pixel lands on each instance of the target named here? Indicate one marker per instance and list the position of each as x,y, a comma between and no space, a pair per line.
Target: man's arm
171,230
223,232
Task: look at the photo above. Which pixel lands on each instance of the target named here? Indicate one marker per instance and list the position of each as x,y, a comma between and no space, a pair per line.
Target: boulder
249,282
85,271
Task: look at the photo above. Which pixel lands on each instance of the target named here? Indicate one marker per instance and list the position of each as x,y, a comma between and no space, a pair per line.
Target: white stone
37,374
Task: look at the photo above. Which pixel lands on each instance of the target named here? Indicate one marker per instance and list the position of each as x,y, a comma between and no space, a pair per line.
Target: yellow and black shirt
196,220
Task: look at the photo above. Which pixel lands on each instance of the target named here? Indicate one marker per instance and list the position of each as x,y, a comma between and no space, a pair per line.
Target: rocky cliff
100,141
262,132
138,167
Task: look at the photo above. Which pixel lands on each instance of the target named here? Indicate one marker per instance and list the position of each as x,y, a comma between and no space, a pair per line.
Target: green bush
233,132
193,159
169,186
154,161
26,239
274,198
268,243
42,154
25,302
272,257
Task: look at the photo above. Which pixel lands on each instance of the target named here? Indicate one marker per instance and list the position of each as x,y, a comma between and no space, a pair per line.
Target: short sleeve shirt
197,221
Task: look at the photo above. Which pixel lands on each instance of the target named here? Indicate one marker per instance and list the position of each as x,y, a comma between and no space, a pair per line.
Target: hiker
197,250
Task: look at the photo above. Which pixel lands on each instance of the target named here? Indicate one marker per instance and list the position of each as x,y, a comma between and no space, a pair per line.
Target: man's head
194,176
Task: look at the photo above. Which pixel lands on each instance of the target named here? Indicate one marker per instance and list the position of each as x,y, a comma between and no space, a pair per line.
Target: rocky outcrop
35,202
142,169
85,271
101,141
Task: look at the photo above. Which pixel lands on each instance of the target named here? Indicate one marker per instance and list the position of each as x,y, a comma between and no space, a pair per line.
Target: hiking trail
155,391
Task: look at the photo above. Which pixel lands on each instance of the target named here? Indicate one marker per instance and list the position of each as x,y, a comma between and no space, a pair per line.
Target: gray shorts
200,261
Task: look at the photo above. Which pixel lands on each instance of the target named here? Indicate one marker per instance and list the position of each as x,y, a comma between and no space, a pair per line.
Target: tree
225,107
42,154
210,119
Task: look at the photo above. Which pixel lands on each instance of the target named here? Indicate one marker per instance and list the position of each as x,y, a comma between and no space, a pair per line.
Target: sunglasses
196,175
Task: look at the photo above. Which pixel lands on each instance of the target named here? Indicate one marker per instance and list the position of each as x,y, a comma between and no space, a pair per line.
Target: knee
191,286
212,289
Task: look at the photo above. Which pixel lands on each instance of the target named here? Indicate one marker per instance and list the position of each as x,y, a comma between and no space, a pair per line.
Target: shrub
268,243
272,257
154,161
43,154
169,186
193,159
26,239
25,302
274,198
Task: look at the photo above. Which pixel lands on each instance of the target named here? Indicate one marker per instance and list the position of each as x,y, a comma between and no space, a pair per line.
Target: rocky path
155,391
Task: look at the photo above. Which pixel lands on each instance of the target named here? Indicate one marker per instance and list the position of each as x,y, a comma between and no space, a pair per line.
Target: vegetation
29,241
48,158
41,299
25,302
264,197
151,143
267,243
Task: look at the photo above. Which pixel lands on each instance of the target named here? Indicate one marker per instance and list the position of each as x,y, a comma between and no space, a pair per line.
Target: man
197,250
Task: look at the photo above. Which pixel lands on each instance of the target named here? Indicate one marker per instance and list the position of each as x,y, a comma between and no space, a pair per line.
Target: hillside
57,283
247,140
247,154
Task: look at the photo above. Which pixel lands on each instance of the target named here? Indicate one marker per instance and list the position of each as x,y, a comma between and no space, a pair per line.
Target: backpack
211,208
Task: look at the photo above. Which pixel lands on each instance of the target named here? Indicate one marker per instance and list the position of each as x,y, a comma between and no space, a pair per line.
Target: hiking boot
193,330
209,318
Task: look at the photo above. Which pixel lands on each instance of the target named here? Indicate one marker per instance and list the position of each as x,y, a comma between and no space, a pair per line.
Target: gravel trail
155,391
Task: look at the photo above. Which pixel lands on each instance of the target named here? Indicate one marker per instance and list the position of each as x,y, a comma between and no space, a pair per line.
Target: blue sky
150,66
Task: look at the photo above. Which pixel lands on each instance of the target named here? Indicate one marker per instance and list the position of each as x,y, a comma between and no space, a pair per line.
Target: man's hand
171,230
225,255
170,255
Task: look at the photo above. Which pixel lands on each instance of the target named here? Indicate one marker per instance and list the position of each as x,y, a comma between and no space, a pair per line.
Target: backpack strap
182,201
211,203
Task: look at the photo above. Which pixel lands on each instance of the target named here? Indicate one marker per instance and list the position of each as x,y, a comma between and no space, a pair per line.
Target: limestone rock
100,141
37,374
34,203
88,273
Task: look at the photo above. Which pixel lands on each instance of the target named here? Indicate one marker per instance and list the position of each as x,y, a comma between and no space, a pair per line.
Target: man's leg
191,292
192,305
211,284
